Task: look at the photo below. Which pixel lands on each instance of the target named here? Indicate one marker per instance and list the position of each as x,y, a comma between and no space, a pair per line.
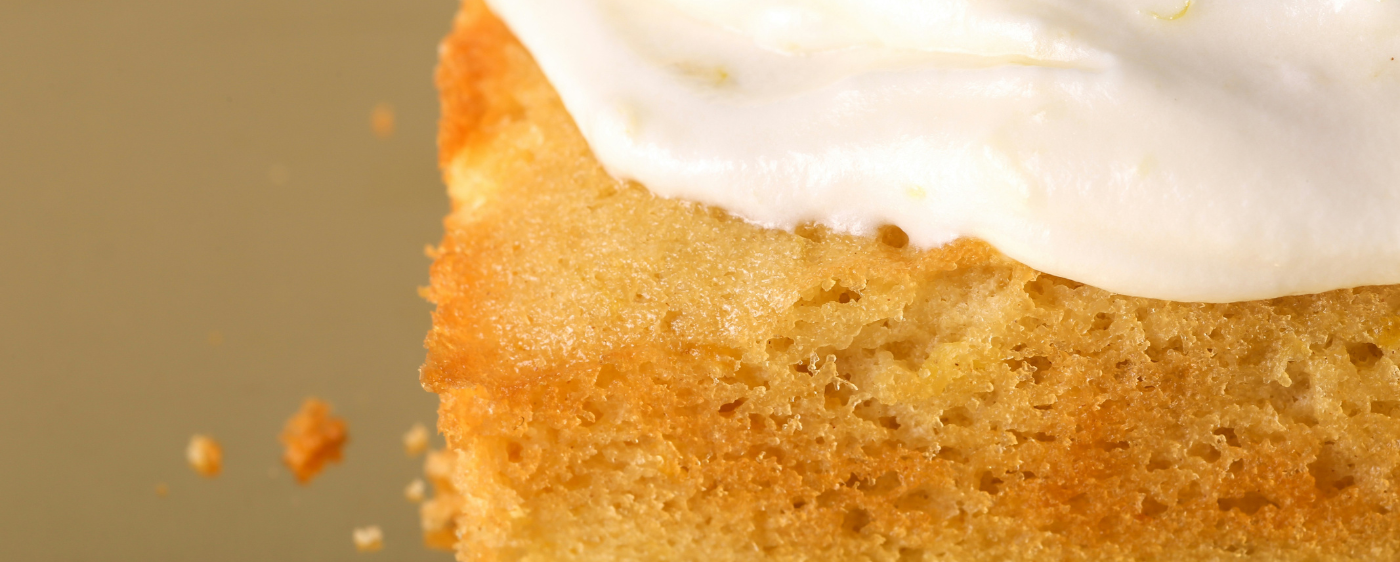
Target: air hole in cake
607,375
893,236
513,451
779,345
728,409
1032,288
591,414
989,484
1249,504
1040,367
889,422
1204,452
830,291
810,231
917,500
905,351
1102,321
751,376
884,484
1385,407
1331,472
1057,527
951,454
1113,445
668,321
836,396
1229,434
957,415
1152,507
1158,352
856,520
911,555
1078,504
578,481
1242,550
1236,467
1364,355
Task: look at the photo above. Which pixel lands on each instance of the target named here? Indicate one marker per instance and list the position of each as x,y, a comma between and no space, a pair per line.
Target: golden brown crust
474,78
629,377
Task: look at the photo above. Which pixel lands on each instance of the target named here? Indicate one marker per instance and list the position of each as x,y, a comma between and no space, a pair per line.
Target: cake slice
628,377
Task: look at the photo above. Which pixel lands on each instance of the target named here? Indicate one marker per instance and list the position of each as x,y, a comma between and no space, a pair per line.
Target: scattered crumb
311,438
162,490
438,516
216,338
415,490
381,120
416,440
205,456
368,539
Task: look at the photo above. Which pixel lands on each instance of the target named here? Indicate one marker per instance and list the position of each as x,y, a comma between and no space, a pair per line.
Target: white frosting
1219,150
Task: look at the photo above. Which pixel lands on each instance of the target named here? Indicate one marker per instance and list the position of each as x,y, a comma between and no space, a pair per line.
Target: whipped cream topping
1211,150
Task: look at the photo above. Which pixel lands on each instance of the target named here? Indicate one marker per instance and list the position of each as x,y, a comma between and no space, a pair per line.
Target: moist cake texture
626,377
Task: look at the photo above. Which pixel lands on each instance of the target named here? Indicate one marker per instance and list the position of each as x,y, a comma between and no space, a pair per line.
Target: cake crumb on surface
415,442
368,539
311,438
381,120
205,456
416,490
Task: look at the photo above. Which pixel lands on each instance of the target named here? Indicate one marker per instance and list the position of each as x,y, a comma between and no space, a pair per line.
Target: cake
624,376
311,439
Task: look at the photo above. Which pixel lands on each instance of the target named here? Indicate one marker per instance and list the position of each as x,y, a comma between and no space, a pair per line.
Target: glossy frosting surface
1204,151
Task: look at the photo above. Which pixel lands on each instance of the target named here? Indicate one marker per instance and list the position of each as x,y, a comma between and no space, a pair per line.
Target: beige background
197,230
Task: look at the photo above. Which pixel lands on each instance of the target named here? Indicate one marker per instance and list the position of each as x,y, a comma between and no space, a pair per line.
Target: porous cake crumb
205,456
628,377
368,539
415,442
415,490
311,438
